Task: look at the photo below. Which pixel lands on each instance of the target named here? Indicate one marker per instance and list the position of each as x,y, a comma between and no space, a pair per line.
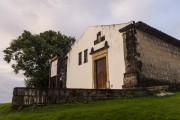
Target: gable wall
160,60
80,76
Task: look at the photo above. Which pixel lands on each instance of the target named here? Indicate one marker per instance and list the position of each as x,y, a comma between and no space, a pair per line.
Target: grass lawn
149,108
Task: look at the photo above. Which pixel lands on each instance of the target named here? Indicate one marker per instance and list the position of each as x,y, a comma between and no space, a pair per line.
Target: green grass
149,108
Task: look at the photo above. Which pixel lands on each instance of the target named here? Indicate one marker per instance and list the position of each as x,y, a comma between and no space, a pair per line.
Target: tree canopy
31,54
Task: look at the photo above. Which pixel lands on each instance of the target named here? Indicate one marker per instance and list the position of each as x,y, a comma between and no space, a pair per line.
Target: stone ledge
24,97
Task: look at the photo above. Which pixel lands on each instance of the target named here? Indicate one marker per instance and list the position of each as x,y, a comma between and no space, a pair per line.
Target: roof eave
150,30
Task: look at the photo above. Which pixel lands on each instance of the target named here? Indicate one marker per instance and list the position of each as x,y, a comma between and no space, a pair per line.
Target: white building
122,56
103,68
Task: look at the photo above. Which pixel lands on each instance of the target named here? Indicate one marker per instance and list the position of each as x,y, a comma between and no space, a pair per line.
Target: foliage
31,54
150,108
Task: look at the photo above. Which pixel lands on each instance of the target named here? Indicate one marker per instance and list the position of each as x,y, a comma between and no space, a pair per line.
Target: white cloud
157,13
126,10
8,80
72,17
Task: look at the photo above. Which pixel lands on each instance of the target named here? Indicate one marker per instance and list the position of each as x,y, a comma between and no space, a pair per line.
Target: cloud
8,80
127,10
72,17
157,13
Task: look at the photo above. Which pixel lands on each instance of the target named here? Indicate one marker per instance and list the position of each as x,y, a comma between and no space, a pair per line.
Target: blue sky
72,17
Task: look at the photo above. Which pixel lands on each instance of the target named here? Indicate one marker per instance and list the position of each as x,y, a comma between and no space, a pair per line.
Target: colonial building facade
106,59
123,56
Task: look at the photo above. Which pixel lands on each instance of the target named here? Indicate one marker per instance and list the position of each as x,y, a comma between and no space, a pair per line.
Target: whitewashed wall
80,76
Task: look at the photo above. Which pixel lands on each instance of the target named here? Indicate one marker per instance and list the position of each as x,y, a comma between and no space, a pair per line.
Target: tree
31,54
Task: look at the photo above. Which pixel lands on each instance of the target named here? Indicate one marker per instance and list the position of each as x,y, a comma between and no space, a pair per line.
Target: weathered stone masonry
152,57
24,97
132,65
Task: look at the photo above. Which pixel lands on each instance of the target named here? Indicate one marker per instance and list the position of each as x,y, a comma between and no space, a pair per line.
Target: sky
72,18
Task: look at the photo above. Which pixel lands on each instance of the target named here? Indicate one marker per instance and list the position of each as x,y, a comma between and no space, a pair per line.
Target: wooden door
101,74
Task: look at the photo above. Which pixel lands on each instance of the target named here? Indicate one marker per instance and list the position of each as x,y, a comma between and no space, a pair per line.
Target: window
80,58
99,36
86,56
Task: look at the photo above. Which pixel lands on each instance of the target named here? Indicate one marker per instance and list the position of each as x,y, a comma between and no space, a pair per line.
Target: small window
86,56
80,58
99,36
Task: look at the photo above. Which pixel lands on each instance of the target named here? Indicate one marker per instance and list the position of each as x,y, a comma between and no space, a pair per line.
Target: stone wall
160,60
24,97
132,65
29,96
152,58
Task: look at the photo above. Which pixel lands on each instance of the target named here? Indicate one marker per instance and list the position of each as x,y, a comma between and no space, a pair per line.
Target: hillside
121,109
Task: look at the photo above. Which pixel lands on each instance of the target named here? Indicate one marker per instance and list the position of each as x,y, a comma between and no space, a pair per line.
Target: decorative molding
101,53
100,49
99,40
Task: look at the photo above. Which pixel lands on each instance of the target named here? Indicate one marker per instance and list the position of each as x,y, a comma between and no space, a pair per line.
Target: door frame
96,56
96,75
